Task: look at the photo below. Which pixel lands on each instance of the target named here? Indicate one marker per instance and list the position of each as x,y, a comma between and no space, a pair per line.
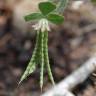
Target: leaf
46,7
33,16
55,18
93,1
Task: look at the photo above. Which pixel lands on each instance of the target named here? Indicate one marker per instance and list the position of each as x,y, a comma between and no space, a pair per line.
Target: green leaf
33,16
93,1
55,18
46,7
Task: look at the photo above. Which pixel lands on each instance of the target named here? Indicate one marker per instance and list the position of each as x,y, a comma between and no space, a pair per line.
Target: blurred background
70,45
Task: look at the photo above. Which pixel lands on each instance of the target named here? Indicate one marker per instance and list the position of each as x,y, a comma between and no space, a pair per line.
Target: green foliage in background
93,1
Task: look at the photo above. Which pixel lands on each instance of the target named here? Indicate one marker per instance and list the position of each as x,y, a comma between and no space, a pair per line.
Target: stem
52,0
61,6
46,57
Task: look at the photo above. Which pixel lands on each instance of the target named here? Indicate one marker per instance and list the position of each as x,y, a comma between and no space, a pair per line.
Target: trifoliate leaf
46,7
55,18
33,16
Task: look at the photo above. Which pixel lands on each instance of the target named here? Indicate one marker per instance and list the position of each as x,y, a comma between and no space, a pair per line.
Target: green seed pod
32,64
42,61
46,57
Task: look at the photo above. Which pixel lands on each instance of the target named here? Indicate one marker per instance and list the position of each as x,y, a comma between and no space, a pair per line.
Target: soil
69,47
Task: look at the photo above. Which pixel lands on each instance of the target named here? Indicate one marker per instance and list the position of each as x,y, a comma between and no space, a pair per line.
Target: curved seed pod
32,64
35,57
46,57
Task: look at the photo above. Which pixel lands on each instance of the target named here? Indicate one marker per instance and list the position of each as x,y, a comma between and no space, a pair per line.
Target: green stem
61,6
52,0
